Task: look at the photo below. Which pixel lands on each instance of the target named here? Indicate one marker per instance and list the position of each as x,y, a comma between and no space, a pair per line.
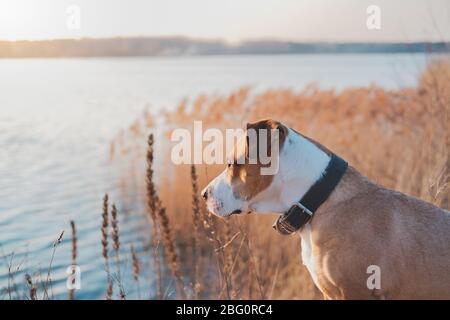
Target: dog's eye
229,165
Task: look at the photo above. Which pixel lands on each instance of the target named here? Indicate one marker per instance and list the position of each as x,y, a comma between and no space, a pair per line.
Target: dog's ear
268,125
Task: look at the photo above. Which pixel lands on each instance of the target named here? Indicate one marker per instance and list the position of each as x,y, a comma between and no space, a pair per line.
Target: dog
357,225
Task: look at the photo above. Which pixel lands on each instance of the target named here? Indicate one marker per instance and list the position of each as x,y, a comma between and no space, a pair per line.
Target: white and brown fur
359,225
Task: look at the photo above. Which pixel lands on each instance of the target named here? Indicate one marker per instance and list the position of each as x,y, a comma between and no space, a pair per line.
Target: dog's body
359,226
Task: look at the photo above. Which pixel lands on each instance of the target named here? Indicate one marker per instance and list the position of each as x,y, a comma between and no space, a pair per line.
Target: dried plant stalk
196,287
151,208
136,268
116,247
48,281
32,287
104,230
74,254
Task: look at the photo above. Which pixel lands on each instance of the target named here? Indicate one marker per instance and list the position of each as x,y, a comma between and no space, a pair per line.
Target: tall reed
31,287
136,268
151,208
105,247
196,287
48,281
74,255
116,247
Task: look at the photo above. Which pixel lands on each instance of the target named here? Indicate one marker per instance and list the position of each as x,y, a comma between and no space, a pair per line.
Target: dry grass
136,268
398,138
48,290
31,287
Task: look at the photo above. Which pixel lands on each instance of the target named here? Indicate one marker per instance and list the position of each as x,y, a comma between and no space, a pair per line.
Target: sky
231,20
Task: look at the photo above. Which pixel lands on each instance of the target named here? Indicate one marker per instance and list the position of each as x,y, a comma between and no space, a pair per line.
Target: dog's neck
302,163
351,185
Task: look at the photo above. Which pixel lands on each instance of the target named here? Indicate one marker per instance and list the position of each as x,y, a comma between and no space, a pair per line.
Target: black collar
301,212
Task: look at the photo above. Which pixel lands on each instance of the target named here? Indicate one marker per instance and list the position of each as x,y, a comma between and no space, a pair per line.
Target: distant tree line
181,46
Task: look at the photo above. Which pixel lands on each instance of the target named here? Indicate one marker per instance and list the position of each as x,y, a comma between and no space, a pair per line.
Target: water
57,117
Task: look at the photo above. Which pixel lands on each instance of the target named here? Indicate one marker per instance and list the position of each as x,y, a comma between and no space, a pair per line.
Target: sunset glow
232,20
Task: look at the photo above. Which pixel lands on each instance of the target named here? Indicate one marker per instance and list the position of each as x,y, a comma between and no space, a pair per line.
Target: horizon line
228,42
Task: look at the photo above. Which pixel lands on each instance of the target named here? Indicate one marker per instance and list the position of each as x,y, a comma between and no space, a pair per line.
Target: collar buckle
303,208
293,219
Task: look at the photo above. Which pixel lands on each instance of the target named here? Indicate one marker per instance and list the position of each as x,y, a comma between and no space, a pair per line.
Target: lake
57,117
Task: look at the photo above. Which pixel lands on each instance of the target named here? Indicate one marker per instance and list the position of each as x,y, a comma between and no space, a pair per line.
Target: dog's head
250,171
